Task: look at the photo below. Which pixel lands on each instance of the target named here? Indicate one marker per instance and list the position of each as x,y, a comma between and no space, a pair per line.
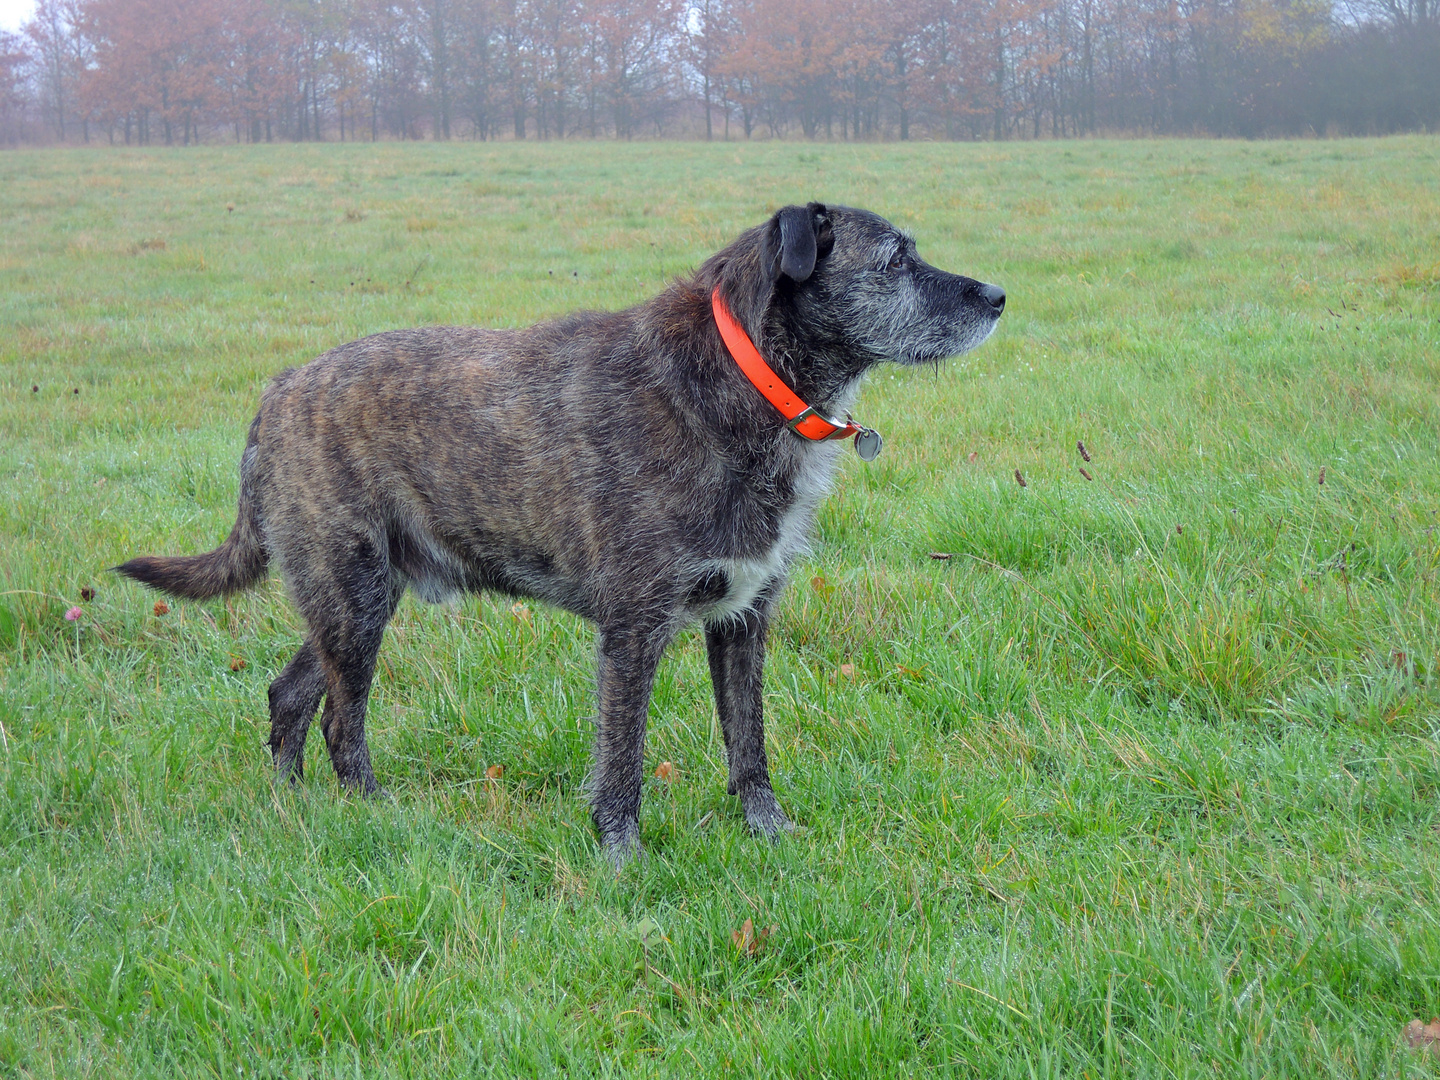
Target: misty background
200,71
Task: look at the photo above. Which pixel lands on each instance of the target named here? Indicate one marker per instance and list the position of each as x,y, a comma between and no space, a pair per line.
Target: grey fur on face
618,465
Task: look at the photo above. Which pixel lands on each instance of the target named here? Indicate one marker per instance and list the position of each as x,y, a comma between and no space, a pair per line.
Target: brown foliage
179,70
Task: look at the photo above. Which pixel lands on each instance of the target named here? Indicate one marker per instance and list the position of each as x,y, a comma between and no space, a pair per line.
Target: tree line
187,71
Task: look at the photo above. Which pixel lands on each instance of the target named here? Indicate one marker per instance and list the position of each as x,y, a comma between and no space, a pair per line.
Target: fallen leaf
974,457
847,670
1420,1035
162,608
237,664
494,772
744,938
750,941
666,771
520,611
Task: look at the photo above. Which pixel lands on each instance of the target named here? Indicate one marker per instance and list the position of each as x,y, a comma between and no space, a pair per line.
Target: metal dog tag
868,444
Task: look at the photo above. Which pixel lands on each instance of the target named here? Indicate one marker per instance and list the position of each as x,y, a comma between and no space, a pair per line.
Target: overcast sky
14,12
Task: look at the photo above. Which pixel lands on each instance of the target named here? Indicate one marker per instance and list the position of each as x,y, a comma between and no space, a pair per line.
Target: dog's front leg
625,676
736,648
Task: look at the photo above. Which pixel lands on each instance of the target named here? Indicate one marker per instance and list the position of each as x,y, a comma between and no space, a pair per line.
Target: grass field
1144,780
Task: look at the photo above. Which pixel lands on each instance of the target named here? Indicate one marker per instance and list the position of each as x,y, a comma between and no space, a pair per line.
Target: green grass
1142,781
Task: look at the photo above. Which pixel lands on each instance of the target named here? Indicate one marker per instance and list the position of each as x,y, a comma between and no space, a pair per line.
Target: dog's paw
773,829
366,788
620,850
763,814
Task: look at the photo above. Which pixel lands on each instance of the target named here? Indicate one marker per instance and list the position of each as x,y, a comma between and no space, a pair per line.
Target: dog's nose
994,296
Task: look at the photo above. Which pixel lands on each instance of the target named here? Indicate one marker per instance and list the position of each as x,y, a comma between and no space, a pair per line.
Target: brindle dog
618,465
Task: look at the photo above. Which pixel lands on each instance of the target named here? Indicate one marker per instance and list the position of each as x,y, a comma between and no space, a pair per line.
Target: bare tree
182,70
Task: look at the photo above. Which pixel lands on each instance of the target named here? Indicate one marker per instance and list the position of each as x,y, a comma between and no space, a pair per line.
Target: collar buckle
843,429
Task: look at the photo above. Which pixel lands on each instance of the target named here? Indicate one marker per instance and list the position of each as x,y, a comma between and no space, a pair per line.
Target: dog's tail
235,565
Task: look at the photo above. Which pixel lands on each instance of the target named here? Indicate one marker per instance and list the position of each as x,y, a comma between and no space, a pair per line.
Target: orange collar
803,419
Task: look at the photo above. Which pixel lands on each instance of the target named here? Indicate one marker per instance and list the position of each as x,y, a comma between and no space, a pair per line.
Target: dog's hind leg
347,609
626,662
294,697
736,648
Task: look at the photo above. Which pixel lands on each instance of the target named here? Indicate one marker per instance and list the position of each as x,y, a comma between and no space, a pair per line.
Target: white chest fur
750,576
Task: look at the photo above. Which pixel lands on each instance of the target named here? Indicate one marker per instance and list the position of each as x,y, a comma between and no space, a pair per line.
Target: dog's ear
824,231
792,242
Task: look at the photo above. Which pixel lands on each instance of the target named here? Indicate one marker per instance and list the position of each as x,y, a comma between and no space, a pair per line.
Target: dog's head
848,283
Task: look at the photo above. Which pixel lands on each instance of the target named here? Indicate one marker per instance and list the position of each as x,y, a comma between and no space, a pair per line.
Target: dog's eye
899,262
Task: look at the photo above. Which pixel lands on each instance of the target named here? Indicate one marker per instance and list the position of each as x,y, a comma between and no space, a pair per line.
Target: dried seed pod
1081,447
1019,479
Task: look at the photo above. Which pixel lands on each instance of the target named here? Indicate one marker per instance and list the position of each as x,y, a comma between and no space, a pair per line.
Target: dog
632,467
